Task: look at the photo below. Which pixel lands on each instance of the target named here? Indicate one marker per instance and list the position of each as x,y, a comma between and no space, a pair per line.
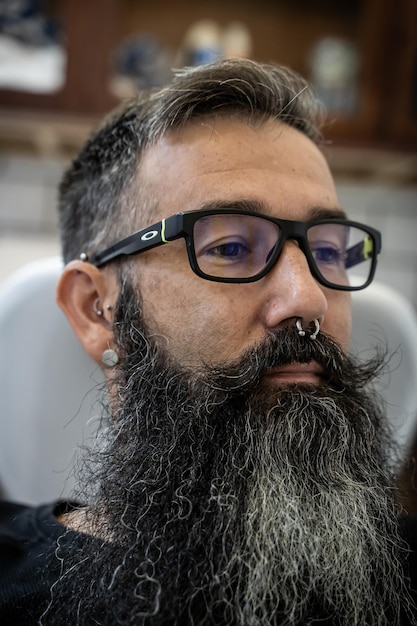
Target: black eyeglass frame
182,224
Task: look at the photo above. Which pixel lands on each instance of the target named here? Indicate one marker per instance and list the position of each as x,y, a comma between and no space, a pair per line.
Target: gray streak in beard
329,517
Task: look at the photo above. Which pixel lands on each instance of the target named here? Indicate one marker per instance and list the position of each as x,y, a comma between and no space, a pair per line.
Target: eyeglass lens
240,246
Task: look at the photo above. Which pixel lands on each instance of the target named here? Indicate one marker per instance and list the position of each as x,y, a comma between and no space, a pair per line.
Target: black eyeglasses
237,246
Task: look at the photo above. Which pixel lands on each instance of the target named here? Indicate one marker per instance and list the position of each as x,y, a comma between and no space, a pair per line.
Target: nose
291,291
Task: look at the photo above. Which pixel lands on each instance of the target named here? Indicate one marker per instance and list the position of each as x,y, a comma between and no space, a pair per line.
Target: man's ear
87,296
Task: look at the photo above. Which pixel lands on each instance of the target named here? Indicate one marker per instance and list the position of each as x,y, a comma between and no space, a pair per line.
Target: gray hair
99,202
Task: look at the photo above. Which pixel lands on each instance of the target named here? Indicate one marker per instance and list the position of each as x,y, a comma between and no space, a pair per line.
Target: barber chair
50,389
384,318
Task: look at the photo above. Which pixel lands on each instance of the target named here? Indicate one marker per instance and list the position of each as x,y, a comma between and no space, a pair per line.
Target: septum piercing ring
302,332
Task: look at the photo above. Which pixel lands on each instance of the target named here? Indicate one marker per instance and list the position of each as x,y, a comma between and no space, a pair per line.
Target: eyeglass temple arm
144,239
362,251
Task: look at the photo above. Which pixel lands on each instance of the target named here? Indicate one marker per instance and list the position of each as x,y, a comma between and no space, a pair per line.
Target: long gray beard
227,503
319,525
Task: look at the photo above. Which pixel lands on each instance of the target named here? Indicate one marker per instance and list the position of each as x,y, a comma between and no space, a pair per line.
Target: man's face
227,497
222,160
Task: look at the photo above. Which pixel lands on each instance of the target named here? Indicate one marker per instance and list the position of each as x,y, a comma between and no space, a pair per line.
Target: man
241,476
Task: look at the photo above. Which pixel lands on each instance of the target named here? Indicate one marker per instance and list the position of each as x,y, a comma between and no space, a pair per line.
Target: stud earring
96,308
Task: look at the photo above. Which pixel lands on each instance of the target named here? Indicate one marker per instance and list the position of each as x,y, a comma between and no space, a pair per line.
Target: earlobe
86,295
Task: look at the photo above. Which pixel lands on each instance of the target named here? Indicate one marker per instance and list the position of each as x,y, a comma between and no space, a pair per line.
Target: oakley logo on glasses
151,234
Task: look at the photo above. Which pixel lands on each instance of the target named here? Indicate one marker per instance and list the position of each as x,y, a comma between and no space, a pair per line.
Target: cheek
200,327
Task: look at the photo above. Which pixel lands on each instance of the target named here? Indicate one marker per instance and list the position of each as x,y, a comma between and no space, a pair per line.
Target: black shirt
28,536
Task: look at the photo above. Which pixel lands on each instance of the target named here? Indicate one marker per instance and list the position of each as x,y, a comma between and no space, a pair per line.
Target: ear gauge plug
109,358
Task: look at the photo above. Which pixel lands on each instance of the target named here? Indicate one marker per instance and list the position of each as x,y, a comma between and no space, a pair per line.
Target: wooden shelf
44,133
283,30
60,135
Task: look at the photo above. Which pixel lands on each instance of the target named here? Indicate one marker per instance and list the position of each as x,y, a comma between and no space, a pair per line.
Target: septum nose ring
302,332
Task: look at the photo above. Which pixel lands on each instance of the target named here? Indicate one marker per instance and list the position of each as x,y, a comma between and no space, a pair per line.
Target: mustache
286,347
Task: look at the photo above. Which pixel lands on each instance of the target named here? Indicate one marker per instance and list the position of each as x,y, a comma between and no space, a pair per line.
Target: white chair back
48,388
384,317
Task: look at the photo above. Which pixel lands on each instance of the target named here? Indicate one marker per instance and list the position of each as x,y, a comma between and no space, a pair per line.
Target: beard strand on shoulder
223,501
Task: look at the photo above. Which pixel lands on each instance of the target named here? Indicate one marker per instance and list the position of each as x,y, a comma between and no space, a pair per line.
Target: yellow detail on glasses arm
163,232
360,252
368,248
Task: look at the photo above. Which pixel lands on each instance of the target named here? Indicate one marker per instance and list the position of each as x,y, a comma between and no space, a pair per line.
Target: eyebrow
254,206
323,213
317,213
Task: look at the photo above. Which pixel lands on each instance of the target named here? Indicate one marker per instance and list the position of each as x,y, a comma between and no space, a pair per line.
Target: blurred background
64,63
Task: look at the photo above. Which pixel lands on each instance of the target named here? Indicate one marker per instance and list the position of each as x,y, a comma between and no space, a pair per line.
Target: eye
229,250
327,255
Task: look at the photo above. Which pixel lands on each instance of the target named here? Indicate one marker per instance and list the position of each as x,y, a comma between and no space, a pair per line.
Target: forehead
225,159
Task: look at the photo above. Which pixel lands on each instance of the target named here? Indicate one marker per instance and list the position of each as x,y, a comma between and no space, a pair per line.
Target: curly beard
221,500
